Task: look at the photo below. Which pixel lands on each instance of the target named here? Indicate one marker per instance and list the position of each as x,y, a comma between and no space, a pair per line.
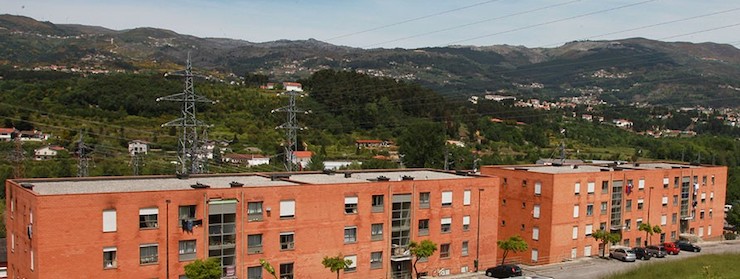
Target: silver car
625,255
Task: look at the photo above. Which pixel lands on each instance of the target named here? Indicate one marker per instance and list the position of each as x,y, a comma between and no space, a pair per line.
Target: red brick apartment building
556,208
151,227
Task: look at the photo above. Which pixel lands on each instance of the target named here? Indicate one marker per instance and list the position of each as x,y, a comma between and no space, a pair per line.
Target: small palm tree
336,264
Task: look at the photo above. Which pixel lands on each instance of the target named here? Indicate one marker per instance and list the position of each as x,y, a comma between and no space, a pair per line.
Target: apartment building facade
151,227
556,208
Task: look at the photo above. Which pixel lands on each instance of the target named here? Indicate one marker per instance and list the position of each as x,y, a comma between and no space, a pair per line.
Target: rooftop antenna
187,145
291,127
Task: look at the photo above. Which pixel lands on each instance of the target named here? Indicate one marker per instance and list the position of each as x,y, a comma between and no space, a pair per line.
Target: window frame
352,236
287,241
149,259
255,214
190,251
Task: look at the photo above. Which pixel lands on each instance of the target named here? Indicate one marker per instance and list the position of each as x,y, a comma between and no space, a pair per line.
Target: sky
406,23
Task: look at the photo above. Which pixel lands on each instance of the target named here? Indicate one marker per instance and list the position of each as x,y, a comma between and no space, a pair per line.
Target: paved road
588,268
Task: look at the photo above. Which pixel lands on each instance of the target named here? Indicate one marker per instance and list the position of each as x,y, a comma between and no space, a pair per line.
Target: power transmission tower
135,162
18,158
188,145
291,128
83,157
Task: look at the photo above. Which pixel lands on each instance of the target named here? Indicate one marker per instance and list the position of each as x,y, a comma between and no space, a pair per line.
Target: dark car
641,253
656,251
671,248
688,246
504,271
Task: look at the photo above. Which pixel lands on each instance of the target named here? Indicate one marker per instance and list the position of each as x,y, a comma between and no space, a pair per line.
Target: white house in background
47,152
622,123
138,147
293,86
456,143
302,158
250,160
34,135
6,134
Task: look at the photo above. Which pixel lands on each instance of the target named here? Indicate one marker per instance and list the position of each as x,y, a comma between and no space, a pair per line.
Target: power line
548,22
409,20
472,23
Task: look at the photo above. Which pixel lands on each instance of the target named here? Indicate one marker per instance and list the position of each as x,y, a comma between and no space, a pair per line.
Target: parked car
623,254
504,271
671,248
656,251
688,246
641,253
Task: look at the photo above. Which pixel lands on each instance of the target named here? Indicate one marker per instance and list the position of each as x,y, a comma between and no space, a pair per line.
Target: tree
200,269
336,264
423,144
514,244
268,267
423,249
606,237
649,231
317,162
733,215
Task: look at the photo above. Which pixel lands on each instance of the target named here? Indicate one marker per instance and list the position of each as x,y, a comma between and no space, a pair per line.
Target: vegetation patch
705,266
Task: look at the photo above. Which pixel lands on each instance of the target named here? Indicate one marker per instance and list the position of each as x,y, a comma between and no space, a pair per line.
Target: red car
671,248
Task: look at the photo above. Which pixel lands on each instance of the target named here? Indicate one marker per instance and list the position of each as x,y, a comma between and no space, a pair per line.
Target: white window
536,211
148,217
701,231
352,266
576,209
577,189
447,198
535,233
641,184
466,197
591,187
446,224
109,257
538,188
589,229
666,181
575,232
587,251
663,220
109,220
287,209
665,200
711,196
12,242
350,205
709,230
466,223
703,196
573,253
31,259
535,255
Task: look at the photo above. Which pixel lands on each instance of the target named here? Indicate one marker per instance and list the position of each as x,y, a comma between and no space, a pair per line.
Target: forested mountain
621,72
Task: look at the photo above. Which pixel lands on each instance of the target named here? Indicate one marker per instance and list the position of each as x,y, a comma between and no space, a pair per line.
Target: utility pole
188,145
291,127
83,157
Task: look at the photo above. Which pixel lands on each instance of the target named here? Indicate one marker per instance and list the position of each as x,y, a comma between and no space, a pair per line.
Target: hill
621,72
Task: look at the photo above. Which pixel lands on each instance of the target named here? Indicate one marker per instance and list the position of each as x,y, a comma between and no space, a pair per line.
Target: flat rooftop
94,185
589,168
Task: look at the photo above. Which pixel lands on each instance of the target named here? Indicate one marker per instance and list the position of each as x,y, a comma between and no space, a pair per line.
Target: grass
724,266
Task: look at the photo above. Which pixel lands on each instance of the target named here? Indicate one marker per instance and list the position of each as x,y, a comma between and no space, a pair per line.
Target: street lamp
650,197
167,238
477,240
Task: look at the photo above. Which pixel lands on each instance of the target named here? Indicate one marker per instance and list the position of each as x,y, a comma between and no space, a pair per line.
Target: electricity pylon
291,128
187,146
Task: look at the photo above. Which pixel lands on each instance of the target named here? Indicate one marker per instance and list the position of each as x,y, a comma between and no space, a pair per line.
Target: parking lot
593,267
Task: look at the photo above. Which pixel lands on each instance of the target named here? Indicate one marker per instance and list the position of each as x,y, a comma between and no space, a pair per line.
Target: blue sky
409,23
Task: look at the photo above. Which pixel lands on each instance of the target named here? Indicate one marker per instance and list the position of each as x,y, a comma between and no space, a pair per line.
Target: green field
723,266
